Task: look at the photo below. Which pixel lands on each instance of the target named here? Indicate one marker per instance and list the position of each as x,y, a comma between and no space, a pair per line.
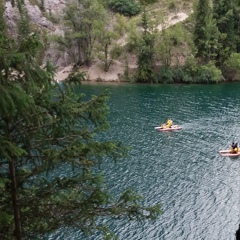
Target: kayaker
169,123
234,148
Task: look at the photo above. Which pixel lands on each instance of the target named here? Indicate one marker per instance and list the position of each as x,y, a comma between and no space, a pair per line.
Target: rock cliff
37,14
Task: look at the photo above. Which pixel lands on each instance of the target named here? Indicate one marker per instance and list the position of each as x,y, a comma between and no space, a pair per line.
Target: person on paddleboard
169,123
234,148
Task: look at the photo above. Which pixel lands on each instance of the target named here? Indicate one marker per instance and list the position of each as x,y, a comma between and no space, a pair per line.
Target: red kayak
227,153
174,127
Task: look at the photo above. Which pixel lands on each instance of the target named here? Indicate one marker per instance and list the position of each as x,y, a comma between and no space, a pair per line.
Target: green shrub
196,73
170,75
232,67
125,7
172,5
191,73
165,75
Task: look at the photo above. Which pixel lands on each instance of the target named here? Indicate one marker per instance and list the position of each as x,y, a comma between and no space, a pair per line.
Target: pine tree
47,128
200,29
145,58
211,42
223,14
236,14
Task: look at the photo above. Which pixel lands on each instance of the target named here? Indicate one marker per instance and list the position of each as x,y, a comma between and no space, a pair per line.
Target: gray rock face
39,18
54,6
11,17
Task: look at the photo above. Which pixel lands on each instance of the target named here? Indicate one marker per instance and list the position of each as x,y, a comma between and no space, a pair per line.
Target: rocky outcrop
38,16
12,14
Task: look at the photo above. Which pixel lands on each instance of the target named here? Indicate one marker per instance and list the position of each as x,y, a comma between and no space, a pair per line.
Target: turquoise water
199,190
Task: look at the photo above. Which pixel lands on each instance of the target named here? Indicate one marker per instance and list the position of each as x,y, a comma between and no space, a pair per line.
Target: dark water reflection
199,190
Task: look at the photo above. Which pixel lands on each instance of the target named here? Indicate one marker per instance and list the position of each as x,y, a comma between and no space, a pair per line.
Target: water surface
199,190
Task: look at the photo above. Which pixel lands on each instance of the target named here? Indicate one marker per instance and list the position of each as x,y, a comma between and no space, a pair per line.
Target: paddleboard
227,153
174,127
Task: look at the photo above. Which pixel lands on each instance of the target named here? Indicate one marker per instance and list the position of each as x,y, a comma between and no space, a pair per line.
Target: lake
199,190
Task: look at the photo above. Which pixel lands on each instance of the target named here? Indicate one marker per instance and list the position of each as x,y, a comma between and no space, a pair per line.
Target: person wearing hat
234,148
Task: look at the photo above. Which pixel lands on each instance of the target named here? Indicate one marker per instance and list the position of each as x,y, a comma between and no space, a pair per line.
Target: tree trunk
80,57
106,58
18,231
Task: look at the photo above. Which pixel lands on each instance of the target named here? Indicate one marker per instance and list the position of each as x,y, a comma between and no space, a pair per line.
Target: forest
46,126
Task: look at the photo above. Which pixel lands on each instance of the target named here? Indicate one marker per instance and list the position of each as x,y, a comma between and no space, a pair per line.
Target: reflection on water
199,190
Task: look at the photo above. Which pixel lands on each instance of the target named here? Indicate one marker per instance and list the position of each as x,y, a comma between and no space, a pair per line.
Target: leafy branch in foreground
49,151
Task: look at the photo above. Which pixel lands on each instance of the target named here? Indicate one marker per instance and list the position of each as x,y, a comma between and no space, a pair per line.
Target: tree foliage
200,34
145,57
206,33
125,7
223,14
49,150
216,31
85,21
108,48
236,14
192,72
232,68
169,43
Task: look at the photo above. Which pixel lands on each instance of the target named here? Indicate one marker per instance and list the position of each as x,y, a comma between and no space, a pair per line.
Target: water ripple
199,190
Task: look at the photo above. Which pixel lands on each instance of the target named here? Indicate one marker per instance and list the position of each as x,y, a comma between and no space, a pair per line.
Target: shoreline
96,76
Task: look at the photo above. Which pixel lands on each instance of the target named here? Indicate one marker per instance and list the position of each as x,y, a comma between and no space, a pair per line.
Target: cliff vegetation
147,41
